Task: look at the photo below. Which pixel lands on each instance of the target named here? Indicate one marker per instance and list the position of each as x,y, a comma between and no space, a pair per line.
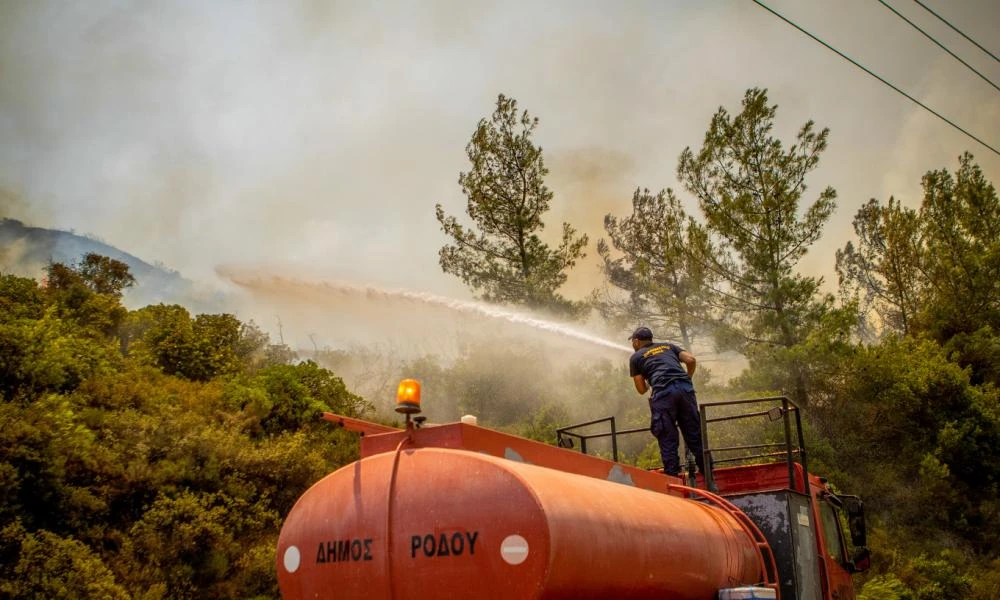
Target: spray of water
264,283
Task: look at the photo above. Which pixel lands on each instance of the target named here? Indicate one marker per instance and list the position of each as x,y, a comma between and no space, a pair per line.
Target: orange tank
443,523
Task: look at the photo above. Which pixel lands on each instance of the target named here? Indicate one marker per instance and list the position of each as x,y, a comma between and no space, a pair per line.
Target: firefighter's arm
640,384
689,361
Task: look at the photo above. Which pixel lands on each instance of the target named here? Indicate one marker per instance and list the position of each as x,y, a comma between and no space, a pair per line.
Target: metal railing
789,452
565,435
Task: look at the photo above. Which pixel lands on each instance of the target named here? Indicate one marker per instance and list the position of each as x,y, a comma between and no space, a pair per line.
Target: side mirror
775,414
855,509
862,560
565,442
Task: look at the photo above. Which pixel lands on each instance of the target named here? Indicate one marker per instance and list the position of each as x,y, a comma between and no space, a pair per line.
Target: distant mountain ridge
25,250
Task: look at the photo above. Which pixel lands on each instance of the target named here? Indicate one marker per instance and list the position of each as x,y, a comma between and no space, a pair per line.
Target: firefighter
672,402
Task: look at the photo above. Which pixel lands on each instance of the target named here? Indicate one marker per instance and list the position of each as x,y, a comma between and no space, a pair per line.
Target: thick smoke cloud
316,137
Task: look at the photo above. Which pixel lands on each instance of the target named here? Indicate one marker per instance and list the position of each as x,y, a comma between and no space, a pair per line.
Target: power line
940,45
957,30
866,70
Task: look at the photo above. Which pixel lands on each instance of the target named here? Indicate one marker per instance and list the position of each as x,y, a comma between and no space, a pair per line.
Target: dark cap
642,333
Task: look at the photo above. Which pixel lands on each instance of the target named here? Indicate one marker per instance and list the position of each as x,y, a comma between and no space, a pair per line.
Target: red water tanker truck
462,511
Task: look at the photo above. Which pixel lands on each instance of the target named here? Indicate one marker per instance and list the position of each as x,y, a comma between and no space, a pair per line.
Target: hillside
25,250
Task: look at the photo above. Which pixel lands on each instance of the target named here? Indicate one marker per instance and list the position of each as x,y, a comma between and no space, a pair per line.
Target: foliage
105,275
495,382
961,216
749,188
667,286
151,460
921,578
153,453
191,544
99,274
49,353
289,397
885,269
818,358
935,271
20,298
45,565
542,423
916,418
88,293
503,258
885,587
902,411
198,348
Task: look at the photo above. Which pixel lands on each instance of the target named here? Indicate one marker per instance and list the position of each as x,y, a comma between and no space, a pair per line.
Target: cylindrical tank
441,523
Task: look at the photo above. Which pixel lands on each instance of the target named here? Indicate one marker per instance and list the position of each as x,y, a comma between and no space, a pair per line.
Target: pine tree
502,257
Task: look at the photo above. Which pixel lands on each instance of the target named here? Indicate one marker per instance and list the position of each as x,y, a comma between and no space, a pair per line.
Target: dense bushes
149,454
152,454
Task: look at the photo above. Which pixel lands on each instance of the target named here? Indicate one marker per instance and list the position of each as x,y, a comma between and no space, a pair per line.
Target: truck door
833,552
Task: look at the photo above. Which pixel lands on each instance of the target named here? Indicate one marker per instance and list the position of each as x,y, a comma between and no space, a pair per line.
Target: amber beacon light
408,397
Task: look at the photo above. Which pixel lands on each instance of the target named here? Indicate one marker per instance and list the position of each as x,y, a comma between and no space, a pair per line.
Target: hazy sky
317,136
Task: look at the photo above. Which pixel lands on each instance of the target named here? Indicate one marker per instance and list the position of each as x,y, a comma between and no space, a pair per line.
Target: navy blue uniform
672,402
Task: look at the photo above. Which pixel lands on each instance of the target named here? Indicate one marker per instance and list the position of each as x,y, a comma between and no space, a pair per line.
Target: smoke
315,137
373,336
323,133
501,364
370,312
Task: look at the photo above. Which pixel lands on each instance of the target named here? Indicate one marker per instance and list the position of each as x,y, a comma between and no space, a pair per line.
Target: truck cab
803,525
